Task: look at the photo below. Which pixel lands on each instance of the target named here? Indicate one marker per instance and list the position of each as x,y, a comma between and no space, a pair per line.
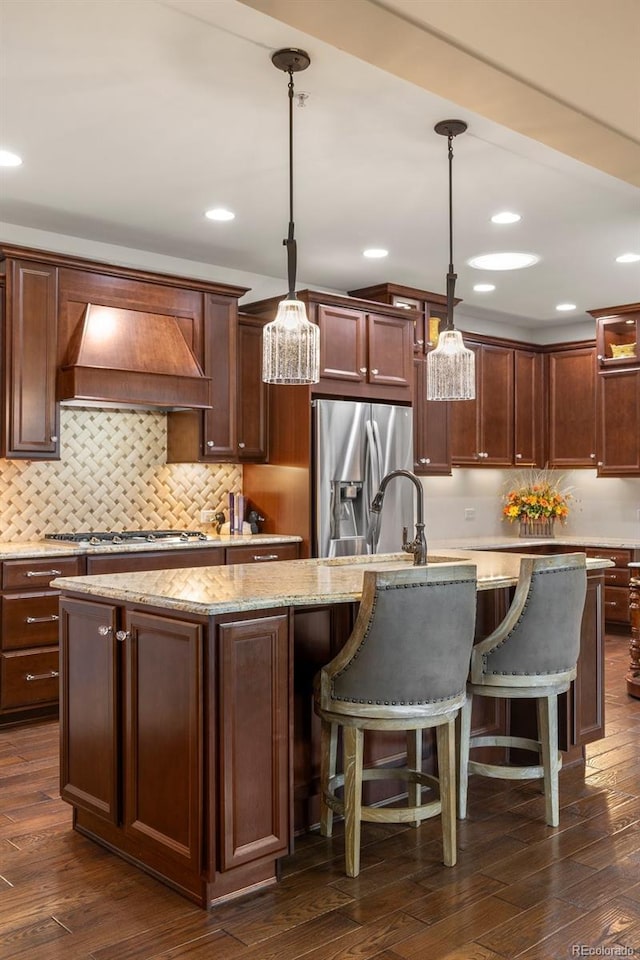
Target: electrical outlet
207,516
469,513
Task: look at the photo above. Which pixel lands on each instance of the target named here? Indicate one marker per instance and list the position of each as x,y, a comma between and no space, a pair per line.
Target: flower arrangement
537,497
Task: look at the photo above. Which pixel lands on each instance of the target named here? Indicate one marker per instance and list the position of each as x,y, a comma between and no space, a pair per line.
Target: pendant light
451,366
291,344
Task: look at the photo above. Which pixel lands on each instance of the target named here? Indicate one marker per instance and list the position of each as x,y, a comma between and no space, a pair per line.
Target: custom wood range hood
124,357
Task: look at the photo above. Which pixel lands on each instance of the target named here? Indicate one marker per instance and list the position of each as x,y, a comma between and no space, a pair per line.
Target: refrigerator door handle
379,454
374,458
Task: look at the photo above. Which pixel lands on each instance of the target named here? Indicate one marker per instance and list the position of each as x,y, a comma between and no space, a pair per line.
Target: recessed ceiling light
484,287
375,253
628,258
503,261
566,306
8,159
220,213
505,217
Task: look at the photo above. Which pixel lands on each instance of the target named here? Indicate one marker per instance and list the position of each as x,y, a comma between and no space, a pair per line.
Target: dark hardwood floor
520,889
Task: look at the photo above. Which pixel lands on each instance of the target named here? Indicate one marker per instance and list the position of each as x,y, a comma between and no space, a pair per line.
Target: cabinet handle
53,439
210,443
374,371
612,576
265,556
363,369
241,445
44,573
123,635
610,603
105,631
42,676
51,619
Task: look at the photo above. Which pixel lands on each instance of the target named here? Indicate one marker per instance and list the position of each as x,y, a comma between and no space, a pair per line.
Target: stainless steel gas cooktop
129,536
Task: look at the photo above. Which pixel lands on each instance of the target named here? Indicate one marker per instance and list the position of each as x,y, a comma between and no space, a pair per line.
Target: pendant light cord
451,276
290,242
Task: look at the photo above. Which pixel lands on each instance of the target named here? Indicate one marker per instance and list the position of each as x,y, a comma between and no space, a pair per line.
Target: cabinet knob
419,343
104,631
425,459
592,456
210,443
600,463
53,439
363,369
241,445
123,635
518,456
374,371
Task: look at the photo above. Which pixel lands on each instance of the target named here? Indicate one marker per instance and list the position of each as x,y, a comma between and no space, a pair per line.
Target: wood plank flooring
520,888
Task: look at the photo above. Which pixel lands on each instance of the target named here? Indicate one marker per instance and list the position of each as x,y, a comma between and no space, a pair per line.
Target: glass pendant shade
451,369
291,346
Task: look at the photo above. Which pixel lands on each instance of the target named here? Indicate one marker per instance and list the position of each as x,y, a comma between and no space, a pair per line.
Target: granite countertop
209,591
510,541
56,548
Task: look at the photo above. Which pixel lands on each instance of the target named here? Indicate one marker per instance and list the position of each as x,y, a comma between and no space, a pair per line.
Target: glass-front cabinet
617,337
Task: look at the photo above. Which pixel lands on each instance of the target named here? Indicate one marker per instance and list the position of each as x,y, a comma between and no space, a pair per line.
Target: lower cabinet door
162,739
89,722
253,693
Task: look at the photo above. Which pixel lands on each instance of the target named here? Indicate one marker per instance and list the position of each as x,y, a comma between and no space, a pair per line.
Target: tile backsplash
112,475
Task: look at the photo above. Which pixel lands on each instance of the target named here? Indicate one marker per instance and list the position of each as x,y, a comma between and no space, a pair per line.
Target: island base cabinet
132,735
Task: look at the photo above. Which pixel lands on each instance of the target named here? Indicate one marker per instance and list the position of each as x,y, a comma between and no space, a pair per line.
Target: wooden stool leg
463,759
328,750
414,762
548,735
352,762
446,738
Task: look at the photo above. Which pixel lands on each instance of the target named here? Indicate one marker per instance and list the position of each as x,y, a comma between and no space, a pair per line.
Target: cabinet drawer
284,551
616,604
617,576
30,574
29,678
619,556
157,560
29,620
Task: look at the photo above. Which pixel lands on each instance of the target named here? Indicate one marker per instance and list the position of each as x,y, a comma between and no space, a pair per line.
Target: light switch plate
469,513
207,516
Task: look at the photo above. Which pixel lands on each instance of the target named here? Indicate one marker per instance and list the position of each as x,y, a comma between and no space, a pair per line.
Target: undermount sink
386,558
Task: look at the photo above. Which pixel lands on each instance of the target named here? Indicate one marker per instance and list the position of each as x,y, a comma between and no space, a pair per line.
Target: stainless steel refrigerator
355,445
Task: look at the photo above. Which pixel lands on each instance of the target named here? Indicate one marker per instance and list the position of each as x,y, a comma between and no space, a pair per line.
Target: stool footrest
508,771
389,814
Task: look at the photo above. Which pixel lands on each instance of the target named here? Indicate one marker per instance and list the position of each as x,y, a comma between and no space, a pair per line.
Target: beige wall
112,475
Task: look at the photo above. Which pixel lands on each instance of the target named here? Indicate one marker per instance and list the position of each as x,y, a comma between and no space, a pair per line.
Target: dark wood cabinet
31,418
134,680
617,330
365,348
618,423
431,447
251,393
482,429
155,560
571,378
616,584
175,740
529,408
581,710
234,429
263,554
29,636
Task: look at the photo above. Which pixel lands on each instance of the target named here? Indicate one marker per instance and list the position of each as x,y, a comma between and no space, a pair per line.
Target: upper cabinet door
482,429
31,413
390,341
618,425
529,408
343,349
572,408
617,330
251,393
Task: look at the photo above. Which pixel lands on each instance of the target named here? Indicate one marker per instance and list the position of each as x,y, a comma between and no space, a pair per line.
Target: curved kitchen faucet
417,546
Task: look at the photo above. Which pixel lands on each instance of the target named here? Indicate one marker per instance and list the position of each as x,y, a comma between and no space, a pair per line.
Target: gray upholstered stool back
411,644
541,632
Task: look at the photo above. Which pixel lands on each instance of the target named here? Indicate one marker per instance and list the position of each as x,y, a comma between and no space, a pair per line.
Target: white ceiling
135,117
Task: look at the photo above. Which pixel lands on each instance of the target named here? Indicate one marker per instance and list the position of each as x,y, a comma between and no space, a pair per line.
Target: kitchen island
188,741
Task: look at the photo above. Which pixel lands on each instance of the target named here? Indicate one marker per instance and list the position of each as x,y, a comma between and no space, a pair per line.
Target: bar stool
532,653
404,667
